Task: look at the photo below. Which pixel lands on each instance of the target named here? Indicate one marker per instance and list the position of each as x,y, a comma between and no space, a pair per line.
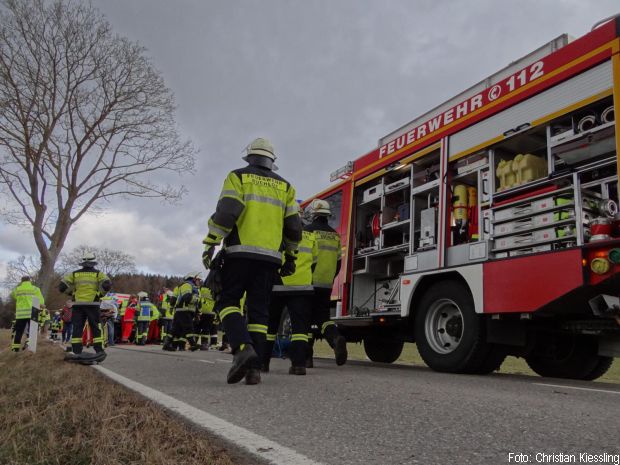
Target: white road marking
222,360
206,361
257,445
577,388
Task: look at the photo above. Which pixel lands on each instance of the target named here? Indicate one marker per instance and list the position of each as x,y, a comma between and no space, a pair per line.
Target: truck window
335,202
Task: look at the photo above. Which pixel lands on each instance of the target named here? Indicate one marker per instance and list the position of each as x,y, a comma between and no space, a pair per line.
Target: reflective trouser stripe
76,340
325,325
310,336
256,328
15,346
228,311
271,337
299,337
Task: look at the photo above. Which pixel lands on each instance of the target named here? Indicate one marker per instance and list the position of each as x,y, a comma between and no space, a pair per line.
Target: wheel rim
444,326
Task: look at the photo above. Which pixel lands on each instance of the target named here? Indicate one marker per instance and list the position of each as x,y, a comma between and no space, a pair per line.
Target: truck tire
382,350
603,364
492,363
449,334
566,356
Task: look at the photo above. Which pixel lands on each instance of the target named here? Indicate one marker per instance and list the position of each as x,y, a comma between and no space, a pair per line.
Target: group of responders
560,457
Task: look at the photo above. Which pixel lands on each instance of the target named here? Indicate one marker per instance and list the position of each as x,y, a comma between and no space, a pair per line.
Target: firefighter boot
297,371
193,345
204,345
252,376
244,358
338,343
168,344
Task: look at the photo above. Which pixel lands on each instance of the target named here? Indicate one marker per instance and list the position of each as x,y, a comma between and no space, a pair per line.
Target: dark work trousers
142,331
81,314
205,323
300,310
321,315
255,278
182,325
20,326
166,327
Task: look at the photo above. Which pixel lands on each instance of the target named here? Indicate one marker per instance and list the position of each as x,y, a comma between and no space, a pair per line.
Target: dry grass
59,413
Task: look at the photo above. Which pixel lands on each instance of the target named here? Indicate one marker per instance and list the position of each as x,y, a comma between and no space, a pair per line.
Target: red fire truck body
489,226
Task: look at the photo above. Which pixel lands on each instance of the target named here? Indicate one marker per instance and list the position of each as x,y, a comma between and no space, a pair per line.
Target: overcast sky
323,80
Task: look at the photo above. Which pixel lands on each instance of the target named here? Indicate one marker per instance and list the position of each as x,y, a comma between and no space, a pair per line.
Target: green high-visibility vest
329,253
252,210
206,301
306,257
26,296
86,285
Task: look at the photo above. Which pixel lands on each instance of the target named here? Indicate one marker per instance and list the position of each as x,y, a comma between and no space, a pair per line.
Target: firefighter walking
295,293
27,298
86,286
206,329
145,309
255,214
325,271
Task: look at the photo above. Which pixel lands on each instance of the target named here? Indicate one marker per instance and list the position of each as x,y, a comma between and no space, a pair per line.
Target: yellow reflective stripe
329,247
253,249
263,199
228,311
75,340
299,337
256,328
230,193
325,325
217,229
310,336
271,337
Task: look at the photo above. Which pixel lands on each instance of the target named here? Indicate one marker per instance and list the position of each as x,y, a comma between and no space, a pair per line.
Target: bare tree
111,262
24,265
84,118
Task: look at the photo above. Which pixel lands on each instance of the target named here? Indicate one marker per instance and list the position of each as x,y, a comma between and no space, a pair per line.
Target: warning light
381,320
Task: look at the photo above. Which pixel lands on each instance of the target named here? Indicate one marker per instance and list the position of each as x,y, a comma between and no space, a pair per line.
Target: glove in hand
288,267
207,256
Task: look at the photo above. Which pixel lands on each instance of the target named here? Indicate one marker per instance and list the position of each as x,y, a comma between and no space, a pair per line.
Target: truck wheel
382,351
566,356
449,334
603,364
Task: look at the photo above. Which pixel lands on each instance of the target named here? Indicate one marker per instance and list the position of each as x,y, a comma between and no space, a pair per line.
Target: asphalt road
365,413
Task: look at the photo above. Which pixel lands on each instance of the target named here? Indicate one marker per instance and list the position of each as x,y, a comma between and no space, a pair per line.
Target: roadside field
410,355
59,413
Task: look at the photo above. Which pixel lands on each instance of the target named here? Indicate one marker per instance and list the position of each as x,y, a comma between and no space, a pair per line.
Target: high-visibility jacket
256,213
167,312
187,297
145,309
87,285
330,253
307,257
206,300
154,313
26,296
44,316
123,307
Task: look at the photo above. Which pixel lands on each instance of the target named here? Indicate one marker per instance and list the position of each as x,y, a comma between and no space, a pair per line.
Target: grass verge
410,355
59,413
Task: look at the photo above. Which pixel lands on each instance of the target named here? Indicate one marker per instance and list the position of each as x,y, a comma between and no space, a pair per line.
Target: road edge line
252,443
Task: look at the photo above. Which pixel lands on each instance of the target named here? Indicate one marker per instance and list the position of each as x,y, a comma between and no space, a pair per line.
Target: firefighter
206,322
86,286
143,318
186,297
326,270
27,298
55,326
167,313
295,292
255,214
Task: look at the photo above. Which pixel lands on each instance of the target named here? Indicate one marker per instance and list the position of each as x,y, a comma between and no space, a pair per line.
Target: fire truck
489,225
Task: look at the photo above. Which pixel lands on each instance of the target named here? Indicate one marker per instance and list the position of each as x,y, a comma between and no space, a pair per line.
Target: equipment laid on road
493,218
